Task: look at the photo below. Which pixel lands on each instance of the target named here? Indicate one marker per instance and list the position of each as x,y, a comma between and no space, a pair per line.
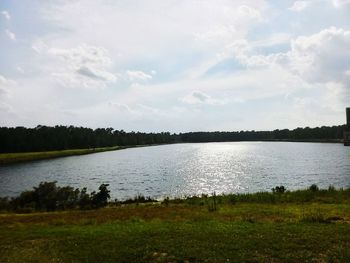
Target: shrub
212,203
331,188
313,188
100,199
4,203
279,189
166,201
84,200
232,199
25,200
139,199
50,197
45,196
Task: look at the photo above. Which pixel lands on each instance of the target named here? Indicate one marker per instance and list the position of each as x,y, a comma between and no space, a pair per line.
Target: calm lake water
188,169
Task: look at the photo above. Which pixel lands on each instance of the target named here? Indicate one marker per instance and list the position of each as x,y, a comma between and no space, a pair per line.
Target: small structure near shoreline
347,131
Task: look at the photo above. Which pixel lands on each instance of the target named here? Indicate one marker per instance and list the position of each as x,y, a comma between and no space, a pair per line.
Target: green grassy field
8,158
186,232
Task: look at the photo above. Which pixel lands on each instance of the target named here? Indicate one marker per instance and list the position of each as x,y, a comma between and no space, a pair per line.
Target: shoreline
20,157
297,226
14,158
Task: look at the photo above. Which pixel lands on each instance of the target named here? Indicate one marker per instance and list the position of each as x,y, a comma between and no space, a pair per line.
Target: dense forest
44,138
323,133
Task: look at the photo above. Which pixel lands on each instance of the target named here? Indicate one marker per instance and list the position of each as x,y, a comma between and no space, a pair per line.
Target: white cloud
299,6
274,39
6,14
235,22
136,75
6,82
4,107
5,86
121,107
10,35
83,55
337,95
136,111
318,58
244,52
144,109
216,35
198,97
321,57
340,3
97,74
249,12
20,69
3,80
146,72
319,62
39,46
3,91
84,66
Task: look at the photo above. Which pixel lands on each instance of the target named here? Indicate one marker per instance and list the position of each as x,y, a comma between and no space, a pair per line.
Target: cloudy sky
174,65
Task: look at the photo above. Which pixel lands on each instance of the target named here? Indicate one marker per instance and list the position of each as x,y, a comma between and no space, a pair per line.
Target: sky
174,65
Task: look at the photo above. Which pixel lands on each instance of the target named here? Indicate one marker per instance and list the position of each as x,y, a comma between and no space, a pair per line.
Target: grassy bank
9,158
250,228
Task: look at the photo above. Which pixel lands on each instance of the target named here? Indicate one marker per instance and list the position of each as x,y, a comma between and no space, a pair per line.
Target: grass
181,232
9,158
330,195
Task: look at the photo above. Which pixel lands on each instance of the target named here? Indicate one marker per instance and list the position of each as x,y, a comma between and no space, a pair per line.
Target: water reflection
187,169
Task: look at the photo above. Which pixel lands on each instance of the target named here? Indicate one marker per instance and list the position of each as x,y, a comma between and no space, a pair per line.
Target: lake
190,169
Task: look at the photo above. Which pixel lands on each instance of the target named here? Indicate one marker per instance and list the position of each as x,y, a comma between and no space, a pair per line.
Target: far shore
13,158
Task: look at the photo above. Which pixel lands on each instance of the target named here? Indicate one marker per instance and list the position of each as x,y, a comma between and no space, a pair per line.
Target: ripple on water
187,169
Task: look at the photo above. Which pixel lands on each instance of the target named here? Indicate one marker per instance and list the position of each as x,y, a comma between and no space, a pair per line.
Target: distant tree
25,202
279,189
313,188
100,199
67,197
44,138
45,196
4,203
84,199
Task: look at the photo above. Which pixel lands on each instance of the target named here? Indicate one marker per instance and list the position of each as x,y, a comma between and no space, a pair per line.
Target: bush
25,201
101,198
331,188
139,199
166,201
50,197
4,203
313,188
84,200
45,196
67,197
279,189
212,203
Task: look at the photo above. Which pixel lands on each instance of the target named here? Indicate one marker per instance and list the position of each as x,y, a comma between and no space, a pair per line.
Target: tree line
45,138
323,133
47,196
